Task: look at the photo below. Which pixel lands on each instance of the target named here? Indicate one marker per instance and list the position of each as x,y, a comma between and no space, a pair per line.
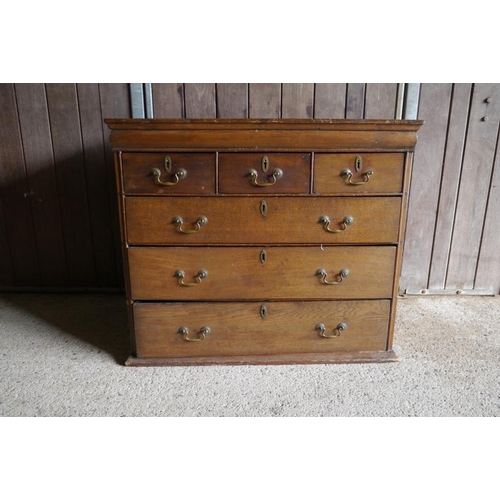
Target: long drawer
255,328
232,273
220,220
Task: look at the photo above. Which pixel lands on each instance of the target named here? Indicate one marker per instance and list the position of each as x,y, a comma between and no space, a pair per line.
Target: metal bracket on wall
407,101
141,100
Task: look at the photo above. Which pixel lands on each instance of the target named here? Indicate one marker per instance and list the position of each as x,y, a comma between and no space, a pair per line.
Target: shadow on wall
97,319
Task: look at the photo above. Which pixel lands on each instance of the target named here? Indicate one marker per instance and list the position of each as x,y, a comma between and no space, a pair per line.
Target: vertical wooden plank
355,104
265,100
72,184
426,180
488,268
232,100
380,100
449,185
329,100
15,195
97,184
474,185
168,100
115,103
6,276
200,100
297,100
39,159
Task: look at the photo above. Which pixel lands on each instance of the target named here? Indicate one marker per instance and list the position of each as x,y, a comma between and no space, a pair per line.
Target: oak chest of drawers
262,241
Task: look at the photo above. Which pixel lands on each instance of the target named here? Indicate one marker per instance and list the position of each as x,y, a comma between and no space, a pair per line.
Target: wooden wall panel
72,183
297,100
15,195
425,184
232,100
58,208
329,100
474,186
355,102
264,100
168,100
380,100
40,168
115,103
488,268
6,272
200,100
450,180
97,183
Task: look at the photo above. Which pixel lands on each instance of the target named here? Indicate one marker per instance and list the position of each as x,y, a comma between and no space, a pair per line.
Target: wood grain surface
434,105
234,167
239,329
72,186
387,174
39,157
240,221
200,168
238,273
15,196
264,100
475,184
232,100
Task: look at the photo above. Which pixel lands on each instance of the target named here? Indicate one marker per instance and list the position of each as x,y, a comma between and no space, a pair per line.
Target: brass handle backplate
180,174
322,274
178,221
347,174
276,174
346,221
204,331
321,329
180,275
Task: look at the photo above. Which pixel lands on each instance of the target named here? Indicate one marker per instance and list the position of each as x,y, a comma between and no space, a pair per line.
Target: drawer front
261,173
258,273
358,173
265,328
192,221
188,173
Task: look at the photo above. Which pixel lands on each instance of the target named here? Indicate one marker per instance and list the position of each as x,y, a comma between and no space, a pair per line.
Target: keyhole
265,163
263,311
263,257
263,208
358,163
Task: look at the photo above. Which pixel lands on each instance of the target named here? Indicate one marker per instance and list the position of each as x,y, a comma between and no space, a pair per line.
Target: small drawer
348,173
248,220
168,173
261,173
256,273
259,328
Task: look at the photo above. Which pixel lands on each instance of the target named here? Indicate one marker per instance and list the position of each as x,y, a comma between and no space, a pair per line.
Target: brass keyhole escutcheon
265,164
358,163
263,257
263,311
263,208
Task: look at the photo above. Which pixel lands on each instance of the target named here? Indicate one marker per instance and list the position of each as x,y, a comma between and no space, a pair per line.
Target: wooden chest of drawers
262,241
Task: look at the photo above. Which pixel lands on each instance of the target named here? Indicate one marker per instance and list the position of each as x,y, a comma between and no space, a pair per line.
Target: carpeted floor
62,355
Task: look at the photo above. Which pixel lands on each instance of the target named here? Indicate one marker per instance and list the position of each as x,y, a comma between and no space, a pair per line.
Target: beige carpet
62,355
